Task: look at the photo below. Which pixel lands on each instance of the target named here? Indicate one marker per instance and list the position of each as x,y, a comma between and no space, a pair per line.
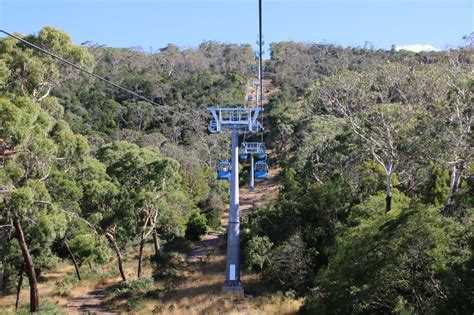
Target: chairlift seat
213,126
223,170
261,170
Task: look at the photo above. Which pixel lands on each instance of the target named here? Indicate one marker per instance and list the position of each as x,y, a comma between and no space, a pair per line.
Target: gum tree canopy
35,143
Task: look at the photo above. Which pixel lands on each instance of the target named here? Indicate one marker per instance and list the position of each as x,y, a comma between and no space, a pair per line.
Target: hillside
368,208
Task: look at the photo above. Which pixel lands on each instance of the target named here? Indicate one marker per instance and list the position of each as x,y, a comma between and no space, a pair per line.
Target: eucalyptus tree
321,148
100,205
77,192
66,194
380,112
34,145
34,73
145,180
458,109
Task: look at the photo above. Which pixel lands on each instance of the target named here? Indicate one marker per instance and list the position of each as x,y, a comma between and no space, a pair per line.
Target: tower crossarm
253,147
234,118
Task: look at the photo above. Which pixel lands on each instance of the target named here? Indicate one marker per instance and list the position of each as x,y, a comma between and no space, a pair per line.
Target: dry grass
201,293
46,289
197,290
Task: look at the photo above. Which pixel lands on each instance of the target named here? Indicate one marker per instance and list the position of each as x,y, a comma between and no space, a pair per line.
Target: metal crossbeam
252,147
234,118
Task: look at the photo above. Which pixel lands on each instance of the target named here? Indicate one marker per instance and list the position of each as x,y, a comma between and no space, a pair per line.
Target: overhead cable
160,106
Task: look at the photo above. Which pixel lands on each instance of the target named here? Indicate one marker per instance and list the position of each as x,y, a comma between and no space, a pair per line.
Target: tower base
233,286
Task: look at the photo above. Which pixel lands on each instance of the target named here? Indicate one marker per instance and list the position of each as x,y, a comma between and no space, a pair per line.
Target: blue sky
152,24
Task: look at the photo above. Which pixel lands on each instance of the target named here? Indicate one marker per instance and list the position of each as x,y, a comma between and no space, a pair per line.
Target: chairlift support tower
252,161
234,119
253,148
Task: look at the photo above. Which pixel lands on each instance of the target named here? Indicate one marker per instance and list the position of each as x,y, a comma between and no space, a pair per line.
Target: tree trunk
156,243
140,255
18,288
2,258
388,198
113,243
73,260
388,202
455,180
28,264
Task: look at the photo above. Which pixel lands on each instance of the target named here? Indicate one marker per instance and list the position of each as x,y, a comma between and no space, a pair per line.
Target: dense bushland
375,214
87,171
375,211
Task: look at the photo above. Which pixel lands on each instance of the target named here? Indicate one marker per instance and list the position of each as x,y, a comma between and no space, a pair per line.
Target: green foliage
41,151
323,209
15,121
374,207
21,199
195,182
12,261
64,285
288,266
278,223
79,159
133,289
371,179
135,292
149,189
4,74
213,217
35,72
196,226
397,260
46,308
435,189
52,107
33,197
460,285
89,248
212,209
351,128
173,215
256,252
304,224
65,192
333,197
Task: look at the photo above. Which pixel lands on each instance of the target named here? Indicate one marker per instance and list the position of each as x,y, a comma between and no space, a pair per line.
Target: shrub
401,261
46,308
256,252
212,209
196,227
133,289
63,286
289,266
213,217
